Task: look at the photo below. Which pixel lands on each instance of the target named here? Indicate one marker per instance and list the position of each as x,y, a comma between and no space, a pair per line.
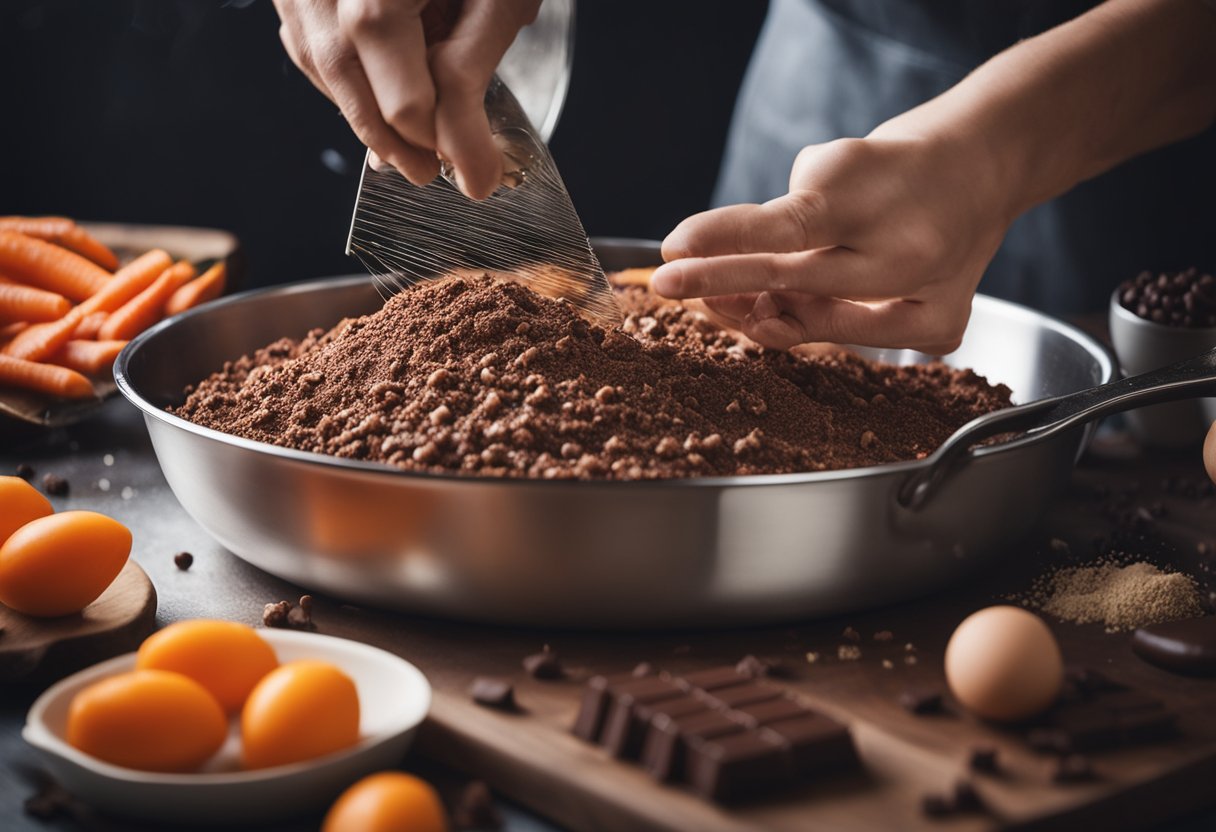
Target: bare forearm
1122,79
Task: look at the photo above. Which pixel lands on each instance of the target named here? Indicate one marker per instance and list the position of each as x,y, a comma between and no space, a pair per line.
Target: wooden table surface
532,758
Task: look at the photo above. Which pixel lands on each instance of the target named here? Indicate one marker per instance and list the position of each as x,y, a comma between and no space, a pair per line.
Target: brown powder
1119,597
483,377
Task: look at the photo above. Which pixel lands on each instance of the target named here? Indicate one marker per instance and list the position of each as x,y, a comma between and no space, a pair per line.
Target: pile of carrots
67,308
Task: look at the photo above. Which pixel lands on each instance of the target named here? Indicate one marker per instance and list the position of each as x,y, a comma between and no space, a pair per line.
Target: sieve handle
1040,420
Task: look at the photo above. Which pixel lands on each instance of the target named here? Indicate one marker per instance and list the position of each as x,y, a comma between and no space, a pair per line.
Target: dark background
189,112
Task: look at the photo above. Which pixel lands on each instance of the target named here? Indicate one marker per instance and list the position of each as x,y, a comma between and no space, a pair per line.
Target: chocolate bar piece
715,678
624,729
1112,719
667,740
725,735
817,744
740,695
737,766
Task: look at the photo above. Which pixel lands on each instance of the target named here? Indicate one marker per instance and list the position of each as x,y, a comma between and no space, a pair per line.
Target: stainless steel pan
690,552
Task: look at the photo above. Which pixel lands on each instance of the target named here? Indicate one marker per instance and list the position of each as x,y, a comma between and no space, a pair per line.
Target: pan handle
1049,417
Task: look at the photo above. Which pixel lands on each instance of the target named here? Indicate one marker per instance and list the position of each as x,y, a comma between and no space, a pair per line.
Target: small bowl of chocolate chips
1157,319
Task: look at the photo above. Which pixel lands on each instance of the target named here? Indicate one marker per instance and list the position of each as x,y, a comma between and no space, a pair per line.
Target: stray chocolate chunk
961,799
183,560
25,471
1113,719
56,485
51,801
544,665
922,701
966,798
275,614
851,634
300,617
475,808
984,759
1073,768
644,669
493,692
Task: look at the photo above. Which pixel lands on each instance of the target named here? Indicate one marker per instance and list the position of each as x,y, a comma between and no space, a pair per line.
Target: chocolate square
665,747
737,766
623,732
818,744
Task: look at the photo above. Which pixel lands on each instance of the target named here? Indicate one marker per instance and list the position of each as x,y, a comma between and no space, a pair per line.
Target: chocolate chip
643,669
544,665
183,560
983,759
475,809
493,692
921,701
300,617
25,471
966,798
55,485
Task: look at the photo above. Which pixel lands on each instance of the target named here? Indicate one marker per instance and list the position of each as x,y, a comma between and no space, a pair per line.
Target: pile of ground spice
485,377
1120,597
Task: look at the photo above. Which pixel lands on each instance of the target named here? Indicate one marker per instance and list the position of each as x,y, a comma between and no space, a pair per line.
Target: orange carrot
37,341
45,378
129,281
50,267
89,326
88,357
146,308
25,303
63,231
207,286
10,331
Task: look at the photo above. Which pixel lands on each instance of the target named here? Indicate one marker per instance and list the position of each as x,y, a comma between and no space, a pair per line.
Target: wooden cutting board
533,758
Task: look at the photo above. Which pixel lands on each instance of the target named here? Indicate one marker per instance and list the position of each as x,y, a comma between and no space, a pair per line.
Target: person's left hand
880,242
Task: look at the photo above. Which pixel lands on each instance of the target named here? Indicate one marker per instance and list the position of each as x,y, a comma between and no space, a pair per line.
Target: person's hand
880,242
406,101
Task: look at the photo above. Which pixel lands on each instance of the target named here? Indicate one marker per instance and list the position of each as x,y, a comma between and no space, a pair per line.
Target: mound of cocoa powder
478,376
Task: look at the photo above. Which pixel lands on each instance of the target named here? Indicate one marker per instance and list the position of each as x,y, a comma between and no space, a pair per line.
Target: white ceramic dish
394,698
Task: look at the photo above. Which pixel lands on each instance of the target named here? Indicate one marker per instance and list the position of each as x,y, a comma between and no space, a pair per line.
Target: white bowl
394,698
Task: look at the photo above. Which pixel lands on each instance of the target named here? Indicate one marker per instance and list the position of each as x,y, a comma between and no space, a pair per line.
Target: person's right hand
410,103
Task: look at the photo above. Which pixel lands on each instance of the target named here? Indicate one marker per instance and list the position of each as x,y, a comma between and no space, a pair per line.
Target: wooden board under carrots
532,758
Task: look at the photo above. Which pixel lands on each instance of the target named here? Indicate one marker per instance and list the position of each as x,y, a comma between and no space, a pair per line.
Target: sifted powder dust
478,376
1119,597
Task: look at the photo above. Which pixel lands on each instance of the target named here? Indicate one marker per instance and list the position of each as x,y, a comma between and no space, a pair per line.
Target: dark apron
826,69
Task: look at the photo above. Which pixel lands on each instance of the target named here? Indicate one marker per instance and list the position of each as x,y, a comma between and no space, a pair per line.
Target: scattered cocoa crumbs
1120,597
544,665
848,652
884,635
183,560
55,485
445,379
25,471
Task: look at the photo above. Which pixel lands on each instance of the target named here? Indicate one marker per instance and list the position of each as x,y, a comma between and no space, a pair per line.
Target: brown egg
1209,453
1003,663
